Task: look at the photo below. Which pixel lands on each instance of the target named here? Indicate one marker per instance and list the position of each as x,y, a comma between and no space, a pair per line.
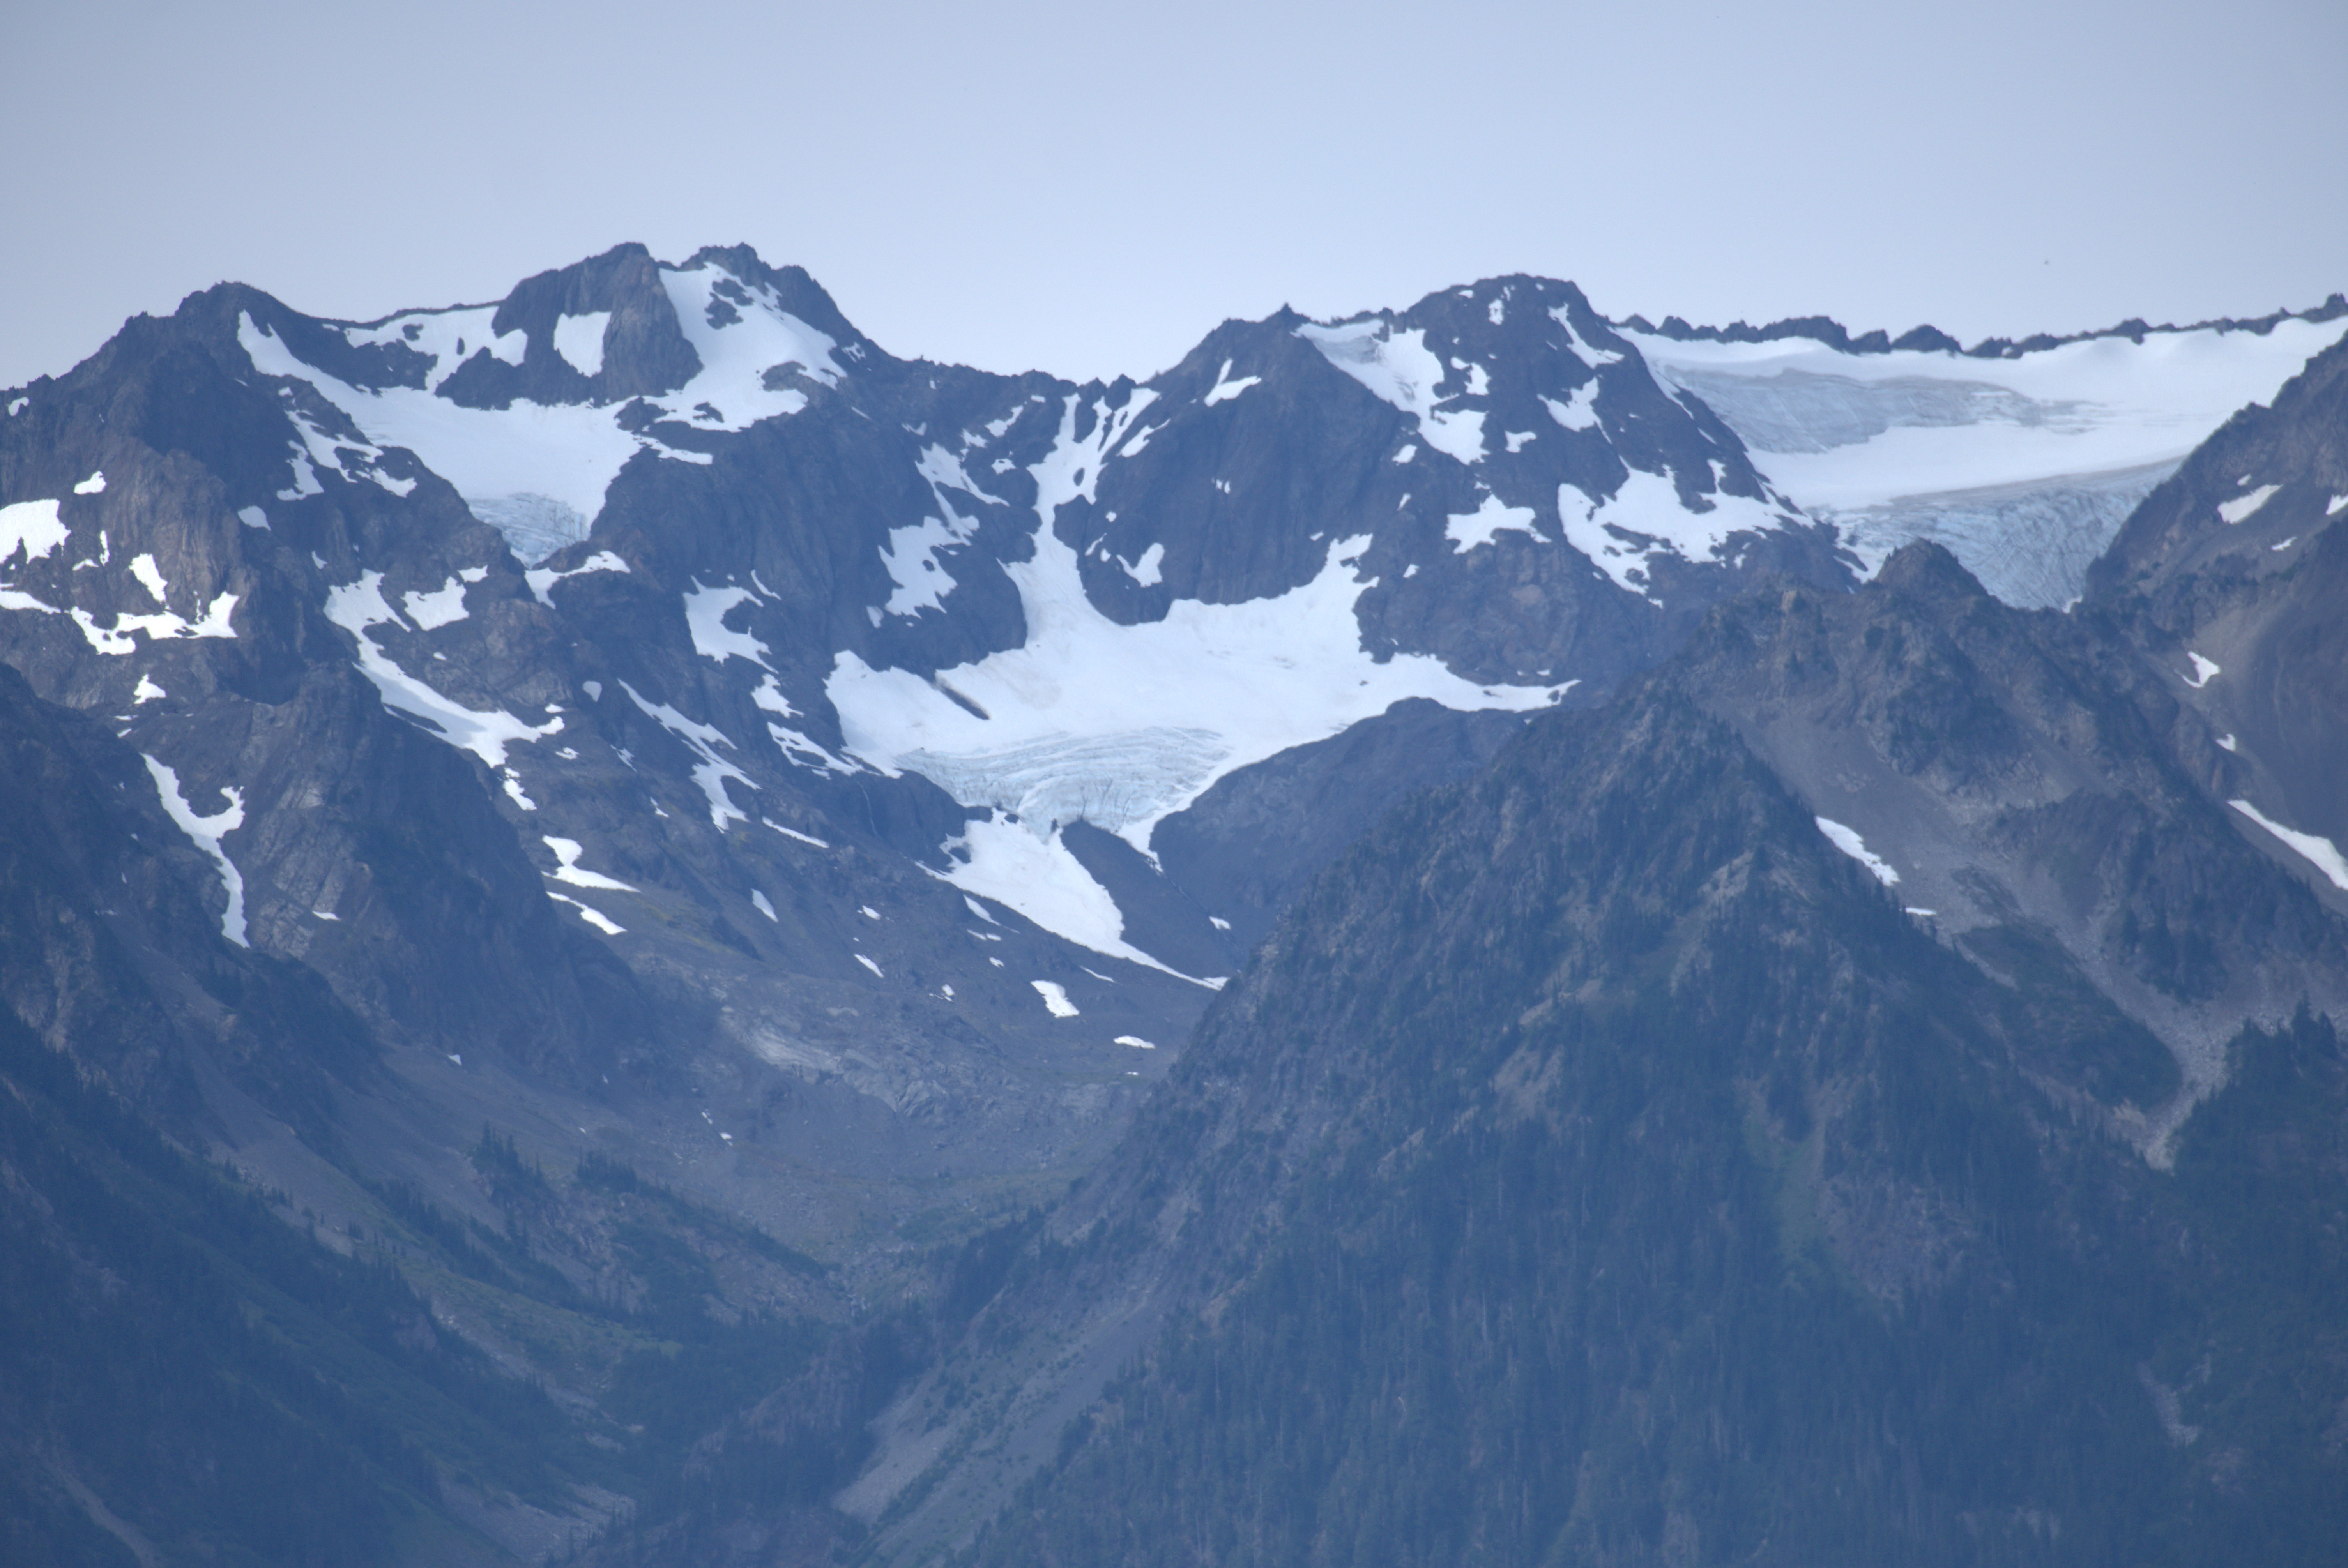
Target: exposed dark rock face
2038,791
2242,559
112,944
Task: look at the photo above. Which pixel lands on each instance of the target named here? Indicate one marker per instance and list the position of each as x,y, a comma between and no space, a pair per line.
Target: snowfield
1124,725
539,472
2024,467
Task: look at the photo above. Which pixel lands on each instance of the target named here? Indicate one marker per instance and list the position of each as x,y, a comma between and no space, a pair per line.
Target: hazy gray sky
1089,188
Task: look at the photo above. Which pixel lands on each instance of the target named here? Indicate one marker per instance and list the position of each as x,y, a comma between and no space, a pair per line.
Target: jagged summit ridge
1925,336
531,407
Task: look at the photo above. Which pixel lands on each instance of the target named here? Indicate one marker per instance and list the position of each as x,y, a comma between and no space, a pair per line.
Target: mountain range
1641,944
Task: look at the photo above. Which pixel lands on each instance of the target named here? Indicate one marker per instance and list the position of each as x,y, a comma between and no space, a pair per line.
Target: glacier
2023,465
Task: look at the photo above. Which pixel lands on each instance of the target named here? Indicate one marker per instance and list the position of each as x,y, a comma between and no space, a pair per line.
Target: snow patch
2320,853
802,751
2202,670
2225,742
1644,519
870,965
1225,388
32,527
1588,352
911,554
943,472
316,449
356,607
798,748
566,852
305,479
1466,531
207,832
146,691
911,557
1041,879
1145,571
1073,467
93,484
1134,1041
542,579
253,516
706,610
1401,370
712,771
116,639
446,338
1055,998
444,606
758,901
1578,412
2241,508
580,341
1849,841
150,578
589,913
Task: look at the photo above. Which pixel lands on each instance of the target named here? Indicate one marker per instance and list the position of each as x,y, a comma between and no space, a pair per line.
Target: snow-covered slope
2024,465
1091,604
538,468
